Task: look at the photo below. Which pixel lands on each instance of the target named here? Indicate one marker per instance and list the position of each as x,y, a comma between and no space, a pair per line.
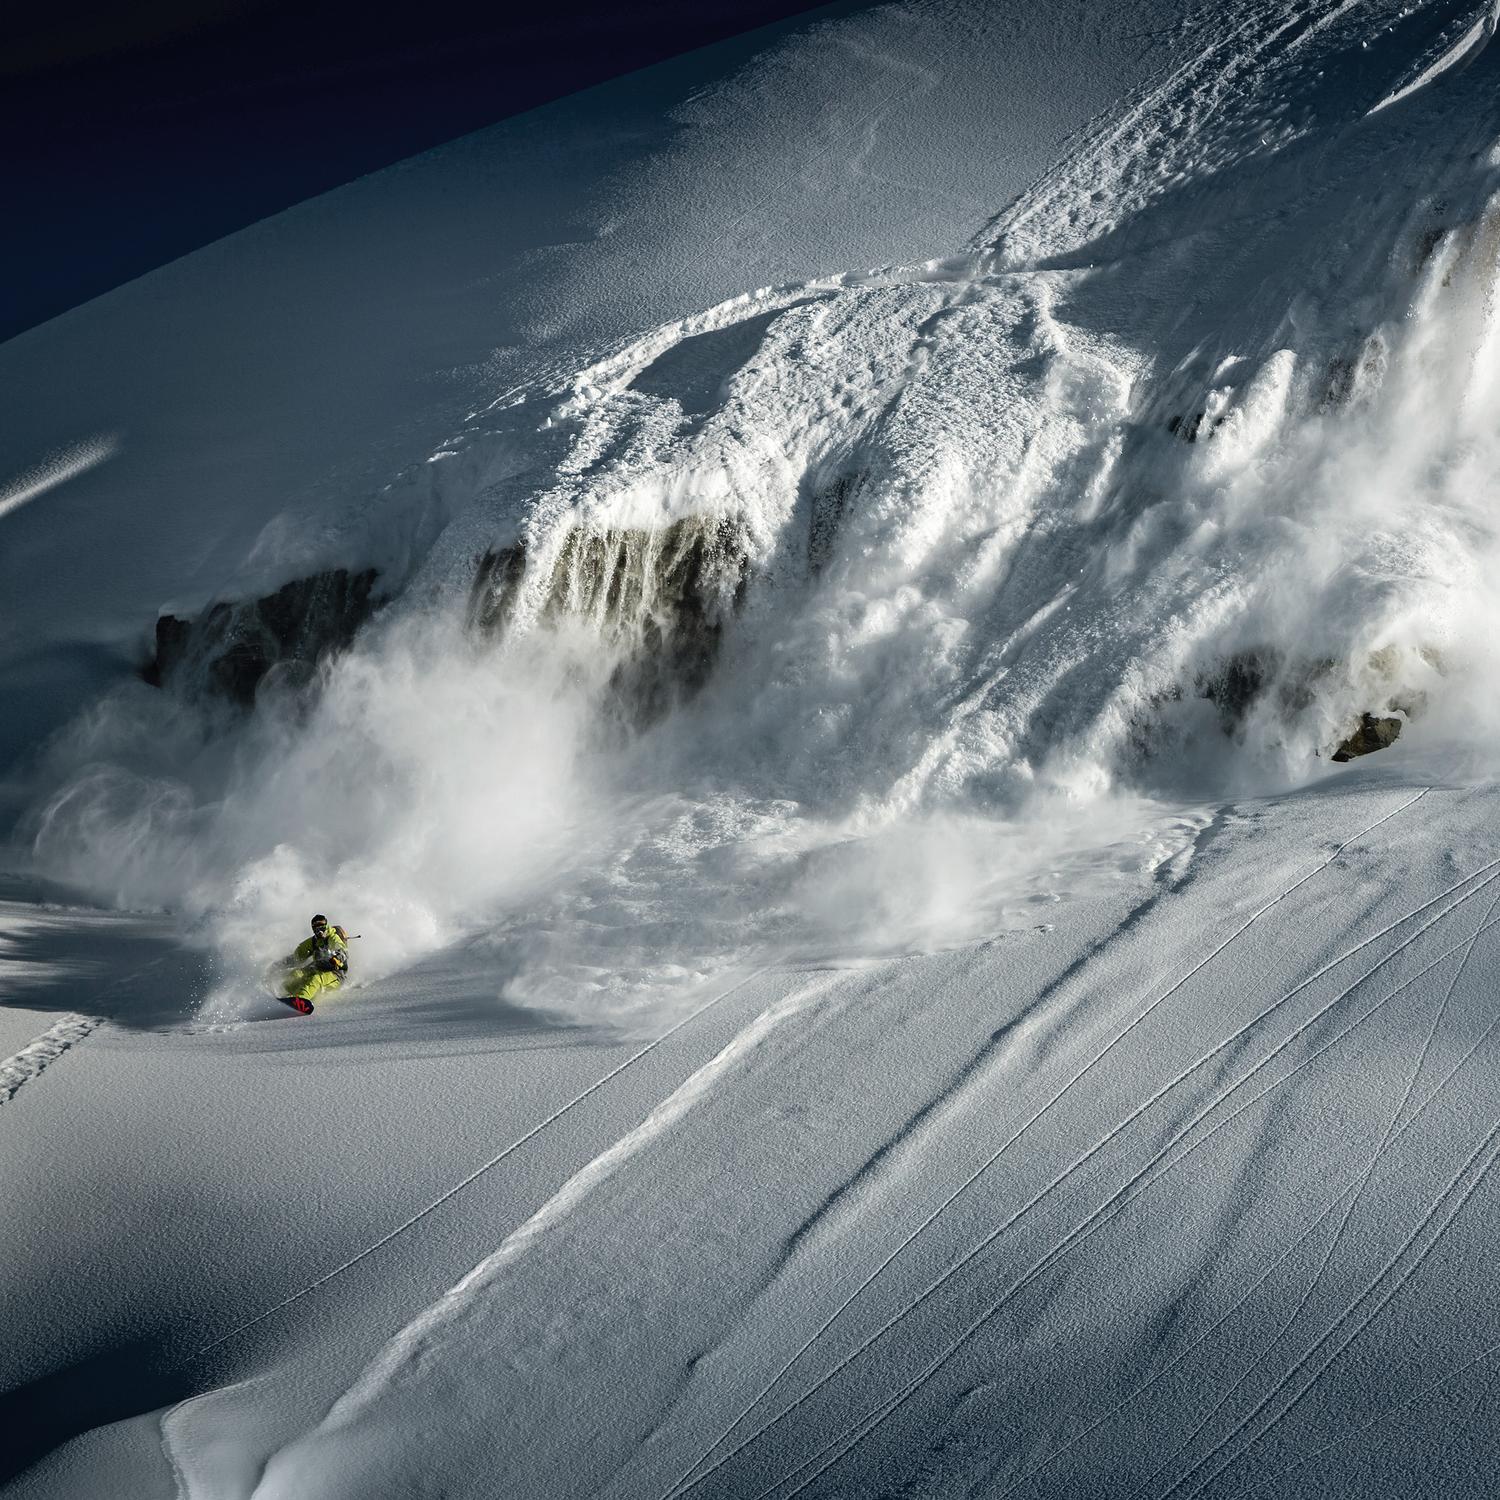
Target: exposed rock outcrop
1373,734
828,503
231,648
658,600
1244,680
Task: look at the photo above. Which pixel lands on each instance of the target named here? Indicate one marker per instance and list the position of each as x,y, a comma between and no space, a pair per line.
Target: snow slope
215,425
1158,1221
842,806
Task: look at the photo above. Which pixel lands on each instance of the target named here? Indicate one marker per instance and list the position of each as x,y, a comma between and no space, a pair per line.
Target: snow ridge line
691,1480
478,1172
1204,79
180,1480
1459,55
48,1047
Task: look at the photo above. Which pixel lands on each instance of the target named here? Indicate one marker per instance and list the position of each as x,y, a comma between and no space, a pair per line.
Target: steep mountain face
233,422
1182,436
1177,479
232,648
878,975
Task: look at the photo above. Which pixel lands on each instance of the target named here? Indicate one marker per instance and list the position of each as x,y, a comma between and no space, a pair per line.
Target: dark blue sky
132,133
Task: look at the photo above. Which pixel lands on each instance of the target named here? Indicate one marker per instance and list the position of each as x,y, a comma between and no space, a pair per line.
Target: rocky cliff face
657,599
233,647
1373,734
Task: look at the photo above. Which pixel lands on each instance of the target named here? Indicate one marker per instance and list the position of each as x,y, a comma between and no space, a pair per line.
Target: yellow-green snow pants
307,983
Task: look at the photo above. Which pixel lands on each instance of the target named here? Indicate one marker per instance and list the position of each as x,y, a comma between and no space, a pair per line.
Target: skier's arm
299,955
334,958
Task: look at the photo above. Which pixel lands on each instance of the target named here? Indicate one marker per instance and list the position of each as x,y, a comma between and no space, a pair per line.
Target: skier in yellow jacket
316,965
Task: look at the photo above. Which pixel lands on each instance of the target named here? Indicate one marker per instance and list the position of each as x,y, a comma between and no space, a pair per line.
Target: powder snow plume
1172,483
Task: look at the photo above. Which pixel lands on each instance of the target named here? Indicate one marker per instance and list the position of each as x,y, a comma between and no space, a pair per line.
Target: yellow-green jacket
316,964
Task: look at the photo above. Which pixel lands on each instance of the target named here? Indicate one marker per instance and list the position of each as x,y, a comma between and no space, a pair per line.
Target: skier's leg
300,983
323,984
303,986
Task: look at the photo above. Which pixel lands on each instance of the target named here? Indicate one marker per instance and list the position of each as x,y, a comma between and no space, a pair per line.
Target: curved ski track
1143,1179
846,1442
478,1172
62,1034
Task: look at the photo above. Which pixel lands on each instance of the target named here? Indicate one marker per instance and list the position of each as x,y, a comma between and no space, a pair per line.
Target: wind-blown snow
57,468
962,645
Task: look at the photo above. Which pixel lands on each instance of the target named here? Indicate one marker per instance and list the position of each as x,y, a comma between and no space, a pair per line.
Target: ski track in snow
408,1346
1127,1194
1349,1195
37,1055
1131,138
1419,1394
1490,1145
1485,1152
477,1173
1396,1128
691,1481
1181,1356
1140,1182
840,1447
64,1034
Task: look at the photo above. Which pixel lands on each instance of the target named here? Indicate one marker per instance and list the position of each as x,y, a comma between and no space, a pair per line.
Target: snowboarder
316,964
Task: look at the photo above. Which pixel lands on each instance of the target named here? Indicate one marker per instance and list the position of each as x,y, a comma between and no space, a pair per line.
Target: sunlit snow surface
1066,1079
